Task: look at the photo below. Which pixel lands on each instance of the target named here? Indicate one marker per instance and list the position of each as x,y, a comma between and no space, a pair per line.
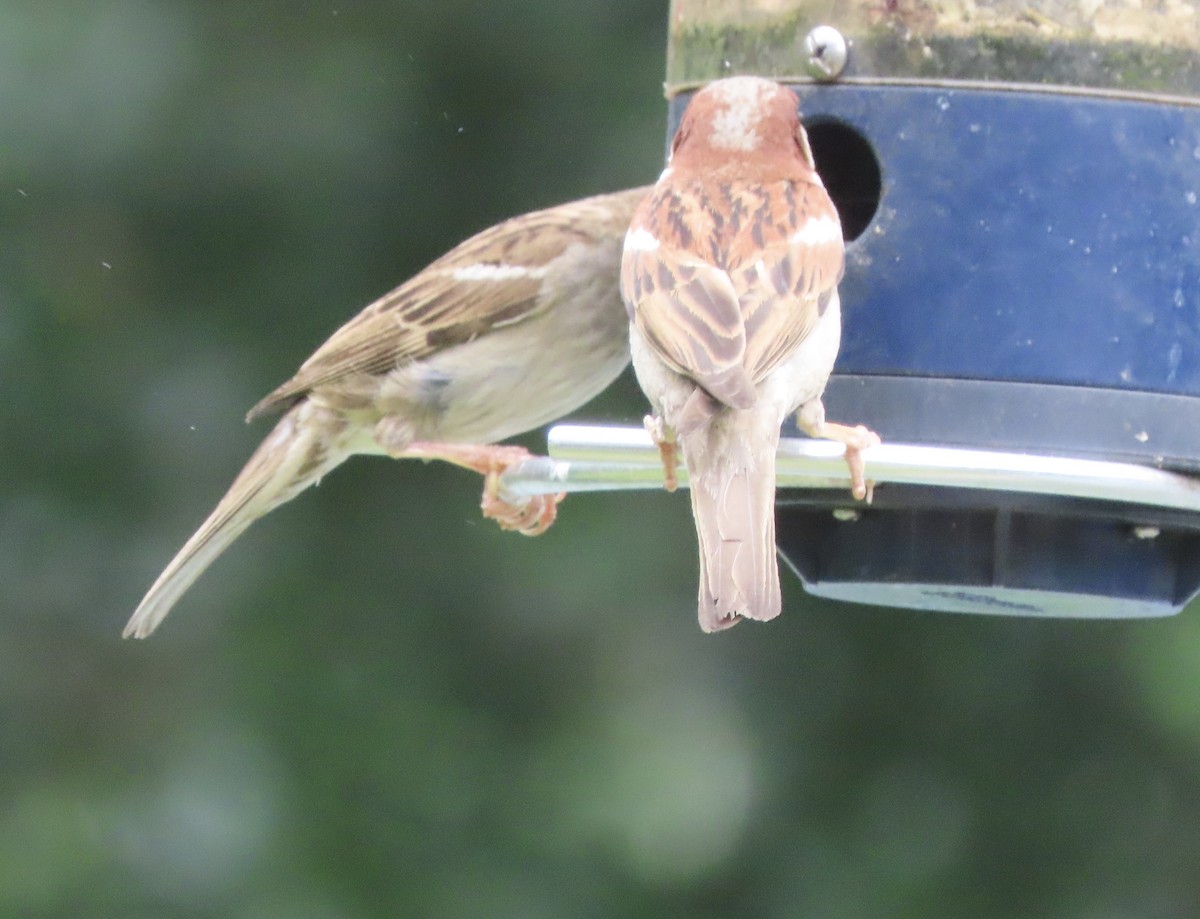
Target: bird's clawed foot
856,439
811,420
668,449
531,517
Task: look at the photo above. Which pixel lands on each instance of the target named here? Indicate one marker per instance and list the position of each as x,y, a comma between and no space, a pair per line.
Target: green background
377,704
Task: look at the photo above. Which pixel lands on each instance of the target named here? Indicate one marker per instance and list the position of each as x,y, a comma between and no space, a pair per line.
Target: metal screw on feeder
1018,190
825,53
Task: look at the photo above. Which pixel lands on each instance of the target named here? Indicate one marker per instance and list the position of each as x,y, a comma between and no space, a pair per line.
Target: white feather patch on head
815,231
735,126
484,271
640,240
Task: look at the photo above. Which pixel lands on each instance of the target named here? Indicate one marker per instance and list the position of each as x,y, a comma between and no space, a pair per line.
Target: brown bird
730,275
510,330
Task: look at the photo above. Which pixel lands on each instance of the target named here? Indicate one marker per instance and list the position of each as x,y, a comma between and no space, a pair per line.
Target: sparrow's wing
491,280
785,269
683,304
688,312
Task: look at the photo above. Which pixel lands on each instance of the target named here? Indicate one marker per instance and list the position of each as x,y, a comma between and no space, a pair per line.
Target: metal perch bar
602,458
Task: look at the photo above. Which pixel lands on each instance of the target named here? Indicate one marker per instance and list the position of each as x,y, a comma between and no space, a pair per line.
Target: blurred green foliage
378,704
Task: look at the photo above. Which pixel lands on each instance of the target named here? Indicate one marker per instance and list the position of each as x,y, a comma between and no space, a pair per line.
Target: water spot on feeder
1174,356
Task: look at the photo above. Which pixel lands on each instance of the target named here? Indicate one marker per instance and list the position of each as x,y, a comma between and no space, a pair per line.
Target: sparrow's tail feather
731,466
295,455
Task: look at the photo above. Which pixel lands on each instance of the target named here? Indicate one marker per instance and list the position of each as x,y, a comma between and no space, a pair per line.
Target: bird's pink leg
811,420
668,449
531,518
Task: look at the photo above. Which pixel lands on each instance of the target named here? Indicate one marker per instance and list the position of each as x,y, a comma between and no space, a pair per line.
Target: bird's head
749,121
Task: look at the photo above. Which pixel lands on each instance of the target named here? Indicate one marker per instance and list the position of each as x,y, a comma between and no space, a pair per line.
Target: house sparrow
729,276
506,332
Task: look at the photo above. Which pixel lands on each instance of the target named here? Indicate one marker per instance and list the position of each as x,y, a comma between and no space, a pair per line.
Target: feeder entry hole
850,171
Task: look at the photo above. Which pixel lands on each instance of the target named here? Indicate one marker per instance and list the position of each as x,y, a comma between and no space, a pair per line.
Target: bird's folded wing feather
784,270
688,311
491,280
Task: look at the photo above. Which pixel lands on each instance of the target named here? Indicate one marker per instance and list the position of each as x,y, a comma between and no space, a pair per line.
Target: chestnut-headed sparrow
730,275
515,327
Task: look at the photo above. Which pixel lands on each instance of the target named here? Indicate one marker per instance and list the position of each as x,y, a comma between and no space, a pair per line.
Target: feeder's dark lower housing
980,552
1025,276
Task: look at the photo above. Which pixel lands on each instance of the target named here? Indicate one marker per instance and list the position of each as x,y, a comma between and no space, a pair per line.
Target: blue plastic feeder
1020,200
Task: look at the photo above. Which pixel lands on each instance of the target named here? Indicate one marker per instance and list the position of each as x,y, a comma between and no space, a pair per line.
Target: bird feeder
1019,187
